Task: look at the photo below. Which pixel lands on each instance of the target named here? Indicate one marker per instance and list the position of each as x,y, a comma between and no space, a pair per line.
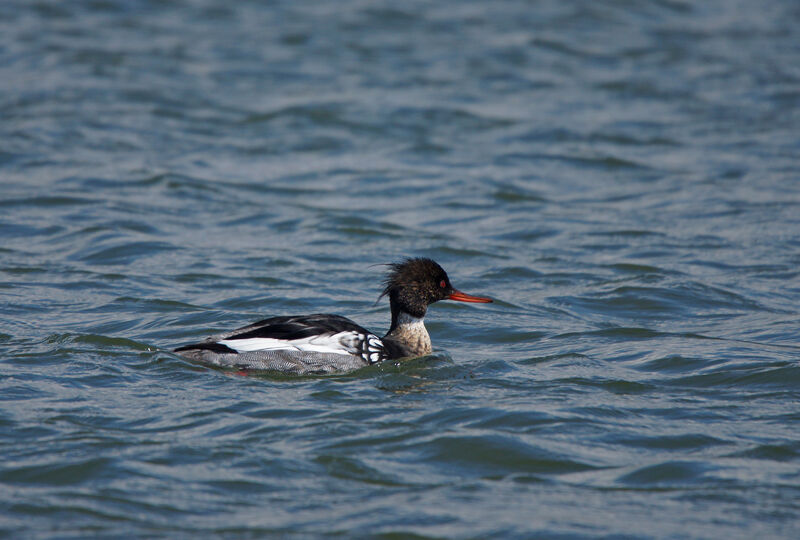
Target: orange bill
463,297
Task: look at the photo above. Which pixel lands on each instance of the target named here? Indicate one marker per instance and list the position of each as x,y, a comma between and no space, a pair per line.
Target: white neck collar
404,319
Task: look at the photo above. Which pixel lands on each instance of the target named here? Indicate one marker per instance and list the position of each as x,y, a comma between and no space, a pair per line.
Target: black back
298,327
287,328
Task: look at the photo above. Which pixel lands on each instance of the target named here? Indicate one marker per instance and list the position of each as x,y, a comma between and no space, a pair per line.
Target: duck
323,343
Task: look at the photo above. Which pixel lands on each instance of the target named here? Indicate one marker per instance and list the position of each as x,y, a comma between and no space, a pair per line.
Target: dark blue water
622,177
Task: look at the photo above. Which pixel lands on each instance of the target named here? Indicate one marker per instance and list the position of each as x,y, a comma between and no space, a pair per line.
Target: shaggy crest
415,272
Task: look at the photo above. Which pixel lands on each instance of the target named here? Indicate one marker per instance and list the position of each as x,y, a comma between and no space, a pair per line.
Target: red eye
442,284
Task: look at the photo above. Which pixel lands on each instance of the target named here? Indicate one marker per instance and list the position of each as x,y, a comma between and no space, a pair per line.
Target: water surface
622,177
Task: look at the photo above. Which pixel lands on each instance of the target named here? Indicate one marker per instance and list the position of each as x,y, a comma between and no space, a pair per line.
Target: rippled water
622,177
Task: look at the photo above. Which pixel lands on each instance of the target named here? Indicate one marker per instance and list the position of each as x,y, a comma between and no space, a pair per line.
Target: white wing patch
341,343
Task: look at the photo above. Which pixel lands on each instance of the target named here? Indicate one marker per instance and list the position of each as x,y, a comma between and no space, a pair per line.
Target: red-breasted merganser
322,343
